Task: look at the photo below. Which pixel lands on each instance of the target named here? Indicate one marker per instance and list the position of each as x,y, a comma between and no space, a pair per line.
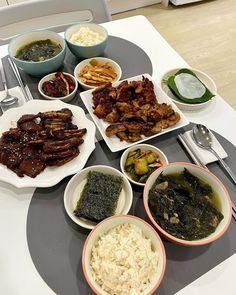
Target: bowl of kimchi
58,86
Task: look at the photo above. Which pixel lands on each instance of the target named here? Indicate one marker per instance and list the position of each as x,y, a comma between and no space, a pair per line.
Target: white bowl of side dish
203,77
221,201
75,188
101,60
51,78
126,232
162,159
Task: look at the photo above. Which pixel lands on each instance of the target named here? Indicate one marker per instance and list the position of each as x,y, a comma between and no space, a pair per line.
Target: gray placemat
55,242
131,58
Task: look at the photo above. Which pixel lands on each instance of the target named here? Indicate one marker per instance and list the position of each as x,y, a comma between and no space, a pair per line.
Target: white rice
86,37
123,261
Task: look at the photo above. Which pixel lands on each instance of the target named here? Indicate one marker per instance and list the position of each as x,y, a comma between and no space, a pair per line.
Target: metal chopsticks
197,161
19,80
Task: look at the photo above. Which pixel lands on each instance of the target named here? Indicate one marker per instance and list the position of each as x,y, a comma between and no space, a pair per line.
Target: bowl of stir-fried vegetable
187,204
139,161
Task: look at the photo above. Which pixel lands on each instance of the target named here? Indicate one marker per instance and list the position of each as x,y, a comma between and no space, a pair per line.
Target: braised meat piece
44,139
133,110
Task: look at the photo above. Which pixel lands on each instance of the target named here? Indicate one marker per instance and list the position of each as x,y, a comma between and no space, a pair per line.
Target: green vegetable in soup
184,206
186,86
39,50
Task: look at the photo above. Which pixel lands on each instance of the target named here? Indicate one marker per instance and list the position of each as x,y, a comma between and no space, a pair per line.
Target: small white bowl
144,147
63,98
75,187
104,60
203,77
110,223
207,177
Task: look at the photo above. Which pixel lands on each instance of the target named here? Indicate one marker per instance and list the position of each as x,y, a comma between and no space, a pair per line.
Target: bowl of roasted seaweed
190,89
187,204
139,161
95,193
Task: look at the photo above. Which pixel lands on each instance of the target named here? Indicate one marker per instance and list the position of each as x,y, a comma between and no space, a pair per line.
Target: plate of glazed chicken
132,111
42,142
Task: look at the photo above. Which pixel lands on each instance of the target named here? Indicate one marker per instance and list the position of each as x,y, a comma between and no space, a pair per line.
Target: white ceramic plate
210,84
75,187
51,175
114,142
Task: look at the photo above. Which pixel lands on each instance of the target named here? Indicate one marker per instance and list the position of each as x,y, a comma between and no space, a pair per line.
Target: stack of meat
133,110
44,139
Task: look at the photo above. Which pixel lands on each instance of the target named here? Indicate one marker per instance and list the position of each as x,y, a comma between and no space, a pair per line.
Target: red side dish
61,85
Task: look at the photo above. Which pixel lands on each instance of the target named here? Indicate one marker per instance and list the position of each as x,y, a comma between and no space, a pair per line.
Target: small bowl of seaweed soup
96,193
189,205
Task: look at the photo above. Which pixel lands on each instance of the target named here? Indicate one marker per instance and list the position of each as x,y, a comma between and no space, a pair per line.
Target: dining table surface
19,276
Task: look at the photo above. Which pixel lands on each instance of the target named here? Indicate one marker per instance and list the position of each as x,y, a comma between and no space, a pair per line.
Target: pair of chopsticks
24,88
198,162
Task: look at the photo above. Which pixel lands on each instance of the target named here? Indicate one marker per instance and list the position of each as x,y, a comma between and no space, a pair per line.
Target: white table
18,273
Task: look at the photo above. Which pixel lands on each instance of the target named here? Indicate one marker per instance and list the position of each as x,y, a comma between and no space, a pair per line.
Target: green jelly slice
99,197
186,86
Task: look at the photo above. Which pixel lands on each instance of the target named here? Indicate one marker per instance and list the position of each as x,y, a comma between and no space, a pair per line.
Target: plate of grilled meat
42,142
132,111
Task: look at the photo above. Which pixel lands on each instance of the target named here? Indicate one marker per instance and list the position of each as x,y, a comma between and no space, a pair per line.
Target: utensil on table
19,79
202,137
197,161
8,99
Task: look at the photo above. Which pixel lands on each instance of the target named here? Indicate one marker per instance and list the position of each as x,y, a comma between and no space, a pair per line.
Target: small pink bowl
208,177
114,221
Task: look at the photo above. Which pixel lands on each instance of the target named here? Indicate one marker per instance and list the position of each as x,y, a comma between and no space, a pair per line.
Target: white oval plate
51,175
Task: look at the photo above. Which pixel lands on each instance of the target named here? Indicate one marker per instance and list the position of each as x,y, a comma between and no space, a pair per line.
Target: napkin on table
205,156
16,91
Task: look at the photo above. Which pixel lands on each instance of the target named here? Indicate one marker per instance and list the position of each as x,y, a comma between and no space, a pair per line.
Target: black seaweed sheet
99,197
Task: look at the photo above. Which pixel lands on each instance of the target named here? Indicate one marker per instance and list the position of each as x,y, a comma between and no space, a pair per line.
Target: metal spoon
8,99
202,137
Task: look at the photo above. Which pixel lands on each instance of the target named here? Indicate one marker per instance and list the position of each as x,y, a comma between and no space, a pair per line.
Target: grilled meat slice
30,126
65,134
64,114
60,162
32,166
26,118
59,155
115,128
60,145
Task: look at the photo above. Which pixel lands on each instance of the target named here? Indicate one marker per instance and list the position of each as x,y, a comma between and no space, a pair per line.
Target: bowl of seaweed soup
184,205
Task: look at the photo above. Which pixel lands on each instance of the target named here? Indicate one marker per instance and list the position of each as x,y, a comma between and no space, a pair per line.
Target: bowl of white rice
123,255
86,40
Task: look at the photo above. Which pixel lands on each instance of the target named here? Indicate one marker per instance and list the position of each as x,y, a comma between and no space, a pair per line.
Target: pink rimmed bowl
207,177
110,223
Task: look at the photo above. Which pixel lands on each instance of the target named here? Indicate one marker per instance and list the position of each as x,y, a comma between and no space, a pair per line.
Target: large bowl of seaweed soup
96,193
187,204
38,52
